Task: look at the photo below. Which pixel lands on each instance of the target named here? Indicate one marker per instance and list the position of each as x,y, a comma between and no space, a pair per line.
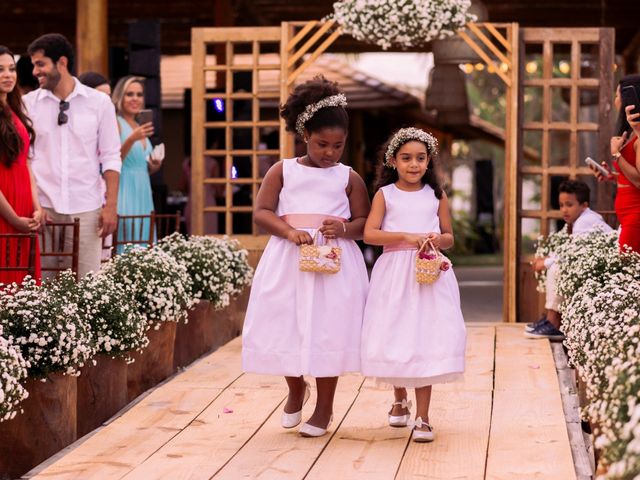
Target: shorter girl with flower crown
413,333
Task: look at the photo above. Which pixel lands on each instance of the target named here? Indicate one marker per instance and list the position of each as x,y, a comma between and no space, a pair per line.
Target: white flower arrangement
339,100
405,135
48,326
117,324
401,23
601,321
546,247
13,370
219,267
157,282
594,255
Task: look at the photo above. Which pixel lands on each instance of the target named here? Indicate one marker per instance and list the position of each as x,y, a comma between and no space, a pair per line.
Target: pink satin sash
309,220
399,246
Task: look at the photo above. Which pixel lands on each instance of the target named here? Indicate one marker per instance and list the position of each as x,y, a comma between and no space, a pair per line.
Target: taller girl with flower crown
299,322
413,333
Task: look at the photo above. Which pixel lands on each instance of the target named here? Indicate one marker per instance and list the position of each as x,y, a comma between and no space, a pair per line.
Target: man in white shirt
574,206
76,139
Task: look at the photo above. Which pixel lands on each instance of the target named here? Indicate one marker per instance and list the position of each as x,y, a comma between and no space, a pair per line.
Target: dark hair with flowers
310,93
388,175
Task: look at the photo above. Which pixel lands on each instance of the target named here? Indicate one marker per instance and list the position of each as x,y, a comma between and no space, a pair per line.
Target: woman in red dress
20,210
625,150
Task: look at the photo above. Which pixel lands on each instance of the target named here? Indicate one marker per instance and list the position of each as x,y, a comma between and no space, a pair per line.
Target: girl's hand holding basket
332,228
319,258
430,262
299,237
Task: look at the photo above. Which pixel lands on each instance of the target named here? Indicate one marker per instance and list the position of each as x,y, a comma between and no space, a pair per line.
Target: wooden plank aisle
275,453
212,421
528,433
461,416
122,445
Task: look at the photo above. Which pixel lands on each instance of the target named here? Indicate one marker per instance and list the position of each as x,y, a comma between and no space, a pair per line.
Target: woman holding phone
134,195
625,150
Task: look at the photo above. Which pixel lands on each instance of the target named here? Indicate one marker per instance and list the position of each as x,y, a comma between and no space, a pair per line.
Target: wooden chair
53,246
166,223
128,226
13,261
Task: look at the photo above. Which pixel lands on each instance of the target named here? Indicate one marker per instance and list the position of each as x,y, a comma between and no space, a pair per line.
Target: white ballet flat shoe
422,436
307,430
290,420
400,420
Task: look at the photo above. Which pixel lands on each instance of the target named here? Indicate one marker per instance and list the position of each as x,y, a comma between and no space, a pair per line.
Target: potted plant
54,337
219,270
119,330
401,23
161,288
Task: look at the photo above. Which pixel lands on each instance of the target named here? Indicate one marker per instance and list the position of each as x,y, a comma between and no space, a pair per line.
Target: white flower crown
405,135
339,100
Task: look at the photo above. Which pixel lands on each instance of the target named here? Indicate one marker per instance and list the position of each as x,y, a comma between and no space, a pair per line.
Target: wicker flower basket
319,258
428,262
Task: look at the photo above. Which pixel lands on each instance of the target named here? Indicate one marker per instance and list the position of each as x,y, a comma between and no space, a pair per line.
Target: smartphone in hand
144,116
629,96
592,163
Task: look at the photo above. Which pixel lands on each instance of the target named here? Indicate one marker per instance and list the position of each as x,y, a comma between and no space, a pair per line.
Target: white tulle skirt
303,323
413,334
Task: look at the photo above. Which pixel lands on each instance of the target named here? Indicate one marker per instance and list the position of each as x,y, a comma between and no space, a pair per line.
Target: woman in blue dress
134,195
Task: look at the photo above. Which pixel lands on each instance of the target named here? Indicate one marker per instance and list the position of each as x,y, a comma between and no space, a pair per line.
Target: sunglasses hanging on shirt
62,116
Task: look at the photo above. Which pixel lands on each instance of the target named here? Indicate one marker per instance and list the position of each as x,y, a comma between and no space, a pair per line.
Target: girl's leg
399,393
296,394
324,404
423,399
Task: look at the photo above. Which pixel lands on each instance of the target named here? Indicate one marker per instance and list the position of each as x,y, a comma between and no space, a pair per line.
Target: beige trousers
90,242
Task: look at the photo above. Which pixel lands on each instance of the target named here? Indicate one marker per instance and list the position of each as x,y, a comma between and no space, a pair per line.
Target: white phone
592,163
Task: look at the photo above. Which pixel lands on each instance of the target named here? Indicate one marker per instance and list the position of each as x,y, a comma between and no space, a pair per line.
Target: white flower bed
118,325
47,325
157,282
601,321
13,370
401,23
218,266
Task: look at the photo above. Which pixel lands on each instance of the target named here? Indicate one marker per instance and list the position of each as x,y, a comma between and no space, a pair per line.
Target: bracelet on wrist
616,155
344,227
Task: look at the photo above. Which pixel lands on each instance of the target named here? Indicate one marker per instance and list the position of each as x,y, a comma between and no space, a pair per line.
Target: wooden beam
482,54
92,22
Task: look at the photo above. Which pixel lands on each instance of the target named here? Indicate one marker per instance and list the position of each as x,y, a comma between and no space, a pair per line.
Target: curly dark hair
311,92
10,142
387,175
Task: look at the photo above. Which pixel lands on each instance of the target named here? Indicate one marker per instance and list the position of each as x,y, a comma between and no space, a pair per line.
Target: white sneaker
310,431
400,420
422,436
290,420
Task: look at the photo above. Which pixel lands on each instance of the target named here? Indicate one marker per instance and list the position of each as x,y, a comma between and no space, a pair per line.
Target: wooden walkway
212,421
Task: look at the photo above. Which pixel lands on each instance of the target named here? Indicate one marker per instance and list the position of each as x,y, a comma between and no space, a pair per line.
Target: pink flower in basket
444,266
427,256
331,255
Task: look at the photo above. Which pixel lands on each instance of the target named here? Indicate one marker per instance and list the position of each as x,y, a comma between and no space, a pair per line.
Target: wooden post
91,36
512,138
286,139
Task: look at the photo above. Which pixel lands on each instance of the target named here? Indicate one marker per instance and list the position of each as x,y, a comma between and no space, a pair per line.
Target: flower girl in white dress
413,333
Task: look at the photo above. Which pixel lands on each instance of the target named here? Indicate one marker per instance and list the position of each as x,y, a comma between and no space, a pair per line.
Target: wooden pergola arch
499,45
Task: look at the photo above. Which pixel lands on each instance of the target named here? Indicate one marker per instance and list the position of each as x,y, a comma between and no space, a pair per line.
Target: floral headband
405,135
338,100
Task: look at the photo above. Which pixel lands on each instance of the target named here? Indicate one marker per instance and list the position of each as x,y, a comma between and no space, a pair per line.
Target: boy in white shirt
580,219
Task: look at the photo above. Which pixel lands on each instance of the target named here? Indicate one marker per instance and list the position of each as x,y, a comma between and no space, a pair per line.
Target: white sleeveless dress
413,334
305,323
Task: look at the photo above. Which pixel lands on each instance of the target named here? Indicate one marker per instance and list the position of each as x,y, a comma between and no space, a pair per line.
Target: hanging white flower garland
401,23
